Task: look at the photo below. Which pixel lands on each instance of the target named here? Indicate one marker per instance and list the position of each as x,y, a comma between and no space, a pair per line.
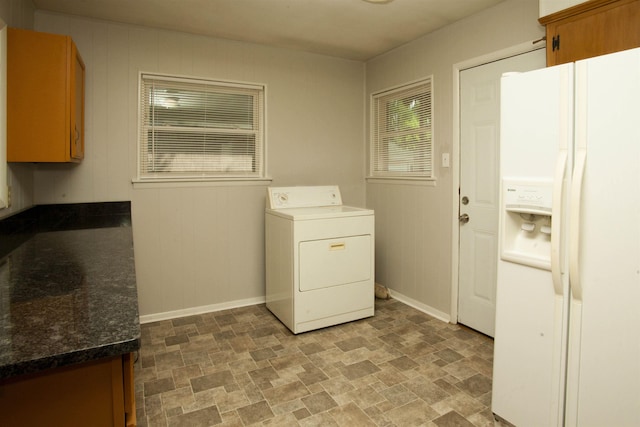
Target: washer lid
303,197
319,212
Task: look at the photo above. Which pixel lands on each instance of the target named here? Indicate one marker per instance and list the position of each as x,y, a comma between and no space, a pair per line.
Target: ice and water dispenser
526,222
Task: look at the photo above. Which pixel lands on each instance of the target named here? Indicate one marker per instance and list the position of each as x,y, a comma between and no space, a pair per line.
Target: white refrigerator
567,340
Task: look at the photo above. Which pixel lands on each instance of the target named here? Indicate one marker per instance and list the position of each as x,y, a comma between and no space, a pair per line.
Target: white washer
319,258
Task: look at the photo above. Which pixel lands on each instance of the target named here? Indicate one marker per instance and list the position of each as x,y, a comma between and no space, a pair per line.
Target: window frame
396,93
259,153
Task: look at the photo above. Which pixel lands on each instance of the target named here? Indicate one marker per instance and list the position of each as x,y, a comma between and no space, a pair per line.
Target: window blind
199,129
402,140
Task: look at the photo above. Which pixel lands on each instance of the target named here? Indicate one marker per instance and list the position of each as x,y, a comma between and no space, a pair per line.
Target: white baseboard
420,306
148,318
156,317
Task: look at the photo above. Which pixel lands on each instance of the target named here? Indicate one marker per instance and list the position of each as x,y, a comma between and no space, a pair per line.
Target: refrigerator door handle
574,224
556,222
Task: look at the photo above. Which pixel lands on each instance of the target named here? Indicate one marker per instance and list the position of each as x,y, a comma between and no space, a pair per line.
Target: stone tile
416,413
153,405
182,376
319,420
242,343
177,398
301,413
254,413
452,419
319,402
285,393
217,379
449,355
262,377
398,395
448,387
476,385
311,348
426,390
158,386
403,363
418,349
225,319
289,406
462,369
176,339
289,361
198,343
223,335
391,377
351,415
363,397
169,360
148,361
203,417
243,367
337,386
352,343
262,354
197,358
360,369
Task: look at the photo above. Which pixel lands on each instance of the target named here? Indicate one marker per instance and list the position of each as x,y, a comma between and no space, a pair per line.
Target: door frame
455,155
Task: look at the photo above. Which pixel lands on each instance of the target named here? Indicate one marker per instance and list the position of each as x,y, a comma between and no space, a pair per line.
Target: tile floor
242,367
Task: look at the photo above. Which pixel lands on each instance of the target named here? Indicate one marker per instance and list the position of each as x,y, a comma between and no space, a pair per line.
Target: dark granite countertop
67,296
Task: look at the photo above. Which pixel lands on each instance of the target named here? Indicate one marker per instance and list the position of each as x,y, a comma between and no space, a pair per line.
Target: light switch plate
445,160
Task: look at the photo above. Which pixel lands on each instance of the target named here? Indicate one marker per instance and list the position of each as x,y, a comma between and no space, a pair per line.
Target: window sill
195,182
423,182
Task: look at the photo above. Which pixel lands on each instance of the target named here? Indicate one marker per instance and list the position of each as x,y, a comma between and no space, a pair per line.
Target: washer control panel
303,197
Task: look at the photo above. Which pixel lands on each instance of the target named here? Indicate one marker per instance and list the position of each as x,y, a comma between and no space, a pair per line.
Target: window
199,129
402,137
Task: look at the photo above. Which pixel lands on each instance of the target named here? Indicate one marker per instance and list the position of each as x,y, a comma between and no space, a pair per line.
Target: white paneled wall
201,247
414,240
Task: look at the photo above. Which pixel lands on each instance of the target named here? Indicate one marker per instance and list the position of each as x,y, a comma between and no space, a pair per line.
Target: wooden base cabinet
592,28
45,98
98,393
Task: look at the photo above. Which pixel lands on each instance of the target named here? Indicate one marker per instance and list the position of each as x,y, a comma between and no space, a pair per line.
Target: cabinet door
45,98
86,394
77,105
611,27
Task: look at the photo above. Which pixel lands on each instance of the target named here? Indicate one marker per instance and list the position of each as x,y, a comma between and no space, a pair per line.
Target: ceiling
352,29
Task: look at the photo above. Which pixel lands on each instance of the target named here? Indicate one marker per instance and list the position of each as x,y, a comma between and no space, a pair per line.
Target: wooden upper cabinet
593,28
45,98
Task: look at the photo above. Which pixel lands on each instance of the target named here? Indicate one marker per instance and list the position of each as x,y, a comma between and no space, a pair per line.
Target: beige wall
414,240
18,13
200,247
547,7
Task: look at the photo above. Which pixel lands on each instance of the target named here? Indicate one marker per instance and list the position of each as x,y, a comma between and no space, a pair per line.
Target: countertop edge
19,369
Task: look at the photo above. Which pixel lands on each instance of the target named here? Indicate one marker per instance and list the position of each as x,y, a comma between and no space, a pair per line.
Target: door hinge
555,43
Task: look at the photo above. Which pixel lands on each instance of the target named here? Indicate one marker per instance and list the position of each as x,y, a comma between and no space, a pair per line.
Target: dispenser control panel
534,197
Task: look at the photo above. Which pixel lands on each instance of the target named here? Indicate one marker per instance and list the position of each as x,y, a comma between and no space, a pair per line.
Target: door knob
464,218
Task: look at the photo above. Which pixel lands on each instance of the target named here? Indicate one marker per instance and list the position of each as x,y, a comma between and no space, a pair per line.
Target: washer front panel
319,265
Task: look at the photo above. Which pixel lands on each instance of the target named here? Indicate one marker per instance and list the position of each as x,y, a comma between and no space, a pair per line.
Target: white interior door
479,186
